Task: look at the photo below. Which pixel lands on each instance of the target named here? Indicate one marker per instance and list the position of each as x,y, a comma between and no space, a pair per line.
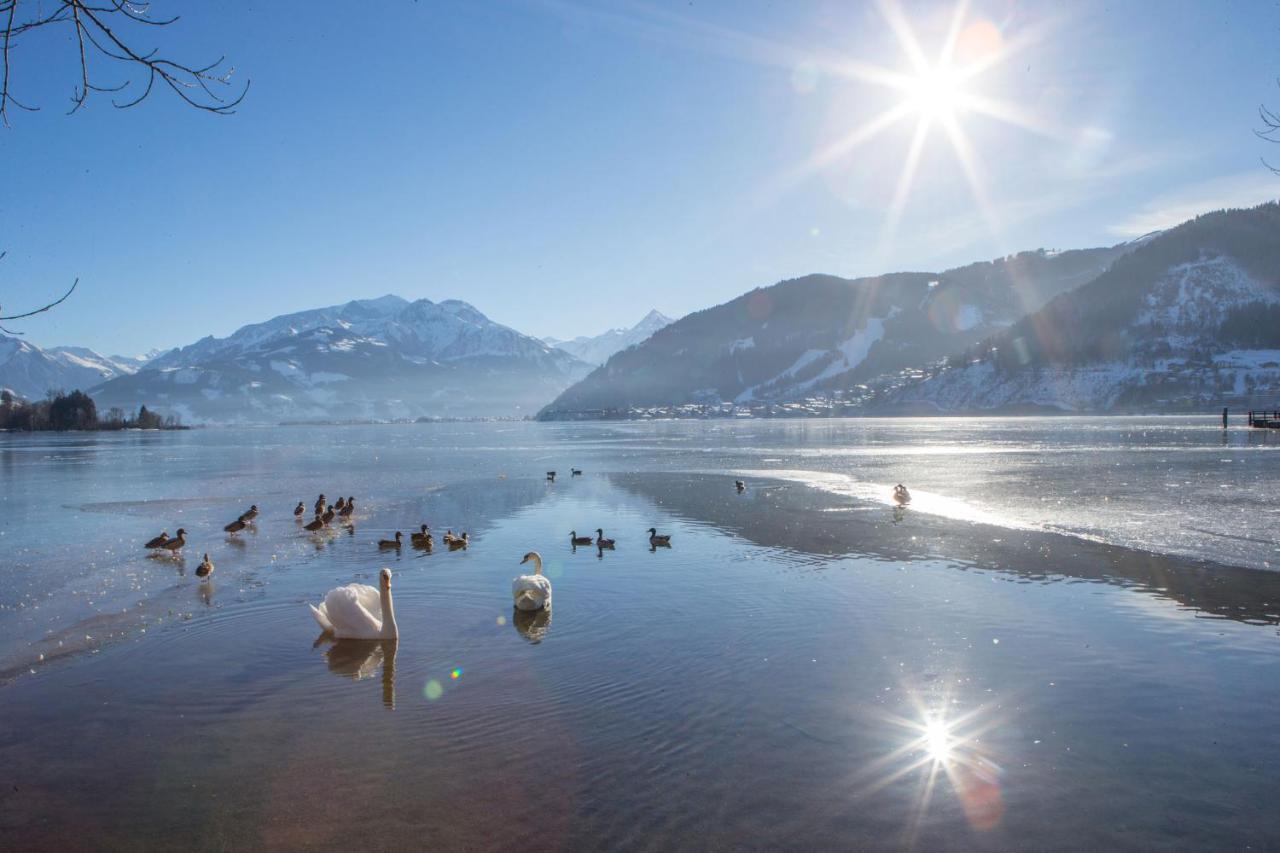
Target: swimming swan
532,592
359,612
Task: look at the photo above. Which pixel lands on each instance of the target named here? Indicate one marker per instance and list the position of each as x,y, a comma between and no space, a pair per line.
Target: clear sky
567,166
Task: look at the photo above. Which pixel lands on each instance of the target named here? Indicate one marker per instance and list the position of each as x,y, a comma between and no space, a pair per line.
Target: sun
935,94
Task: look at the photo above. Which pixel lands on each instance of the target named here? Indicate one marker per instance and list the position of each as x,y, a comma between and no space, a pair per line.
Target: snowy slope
597,349
32,372
368,359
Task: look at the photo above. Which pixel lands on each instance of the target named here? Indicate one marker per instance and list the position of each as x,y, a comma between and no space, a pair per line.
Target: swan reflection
360,659
533,625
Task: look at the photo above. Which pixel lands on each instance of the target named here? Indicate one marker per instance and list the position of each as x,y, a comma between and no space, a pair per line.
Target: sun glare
937,740
935,93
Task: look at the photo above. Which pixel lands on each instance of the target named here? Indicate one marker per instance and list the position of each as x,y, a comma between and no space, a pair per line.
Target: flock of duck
360,612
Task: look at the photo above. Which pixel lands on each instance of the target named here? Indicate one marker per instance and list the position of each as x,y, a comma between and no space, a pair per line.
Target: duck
349,509
426,542
601,542
739,485
391,543
358,611
158,542
448,536
328,515
421,535
658,539
575,472
532,592
320,505
236,526
251,514
458,542
575,539
205,568
551,476
901,495
299,511
315,524
339,505
175,544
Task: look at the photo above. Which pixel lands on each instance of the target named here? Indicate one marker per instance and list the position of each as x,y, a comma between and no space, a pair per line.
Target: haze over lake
1069,638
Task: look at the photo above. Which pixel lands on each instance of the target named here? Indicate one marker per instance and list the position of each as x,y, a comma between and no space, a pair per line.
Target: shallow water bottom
769,682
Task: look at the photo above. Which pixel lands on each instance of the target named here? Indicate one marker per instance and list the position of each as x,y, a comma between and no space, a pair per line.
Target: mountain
1190,319
597,350
820,334
31,372
368,359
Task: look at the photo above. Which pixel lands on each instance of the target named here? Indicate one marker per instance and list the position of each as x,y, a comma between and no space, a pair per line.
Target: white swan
359,612
532,592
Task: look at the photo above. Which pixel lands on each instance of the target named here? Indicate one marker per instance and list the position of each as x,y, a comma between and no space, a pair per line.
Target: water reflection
204,591
533,625
360,659
832,526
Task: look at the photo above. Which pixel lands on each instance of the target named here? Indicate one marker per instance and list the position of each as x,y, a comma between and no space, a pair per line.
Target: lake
1068,639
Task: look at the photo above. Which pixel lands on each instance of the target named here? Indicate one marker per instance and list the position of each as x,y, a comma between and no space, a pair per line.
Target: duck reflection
533,625
360,659
205,592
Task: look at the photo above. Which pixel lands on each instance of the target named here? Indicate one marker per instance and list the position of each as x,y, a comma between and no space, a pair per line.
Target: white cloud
1246,189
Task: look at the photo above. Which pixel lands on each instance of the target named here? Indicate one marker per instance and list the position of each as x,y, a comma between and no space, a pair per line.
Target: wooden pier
1265,420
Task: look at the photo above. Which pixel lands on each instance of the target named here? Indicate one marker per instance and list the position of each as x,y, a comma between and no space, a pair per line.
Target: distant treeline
62,411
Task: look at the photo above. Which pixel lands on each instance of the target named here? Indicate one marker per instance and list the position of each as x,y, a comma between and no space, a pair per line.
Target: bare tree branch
102,33
1270,130
40,310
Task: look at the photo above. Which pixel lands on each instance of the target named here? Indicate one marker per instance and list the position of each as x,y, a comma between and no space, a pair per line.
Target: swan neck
537,564
389,628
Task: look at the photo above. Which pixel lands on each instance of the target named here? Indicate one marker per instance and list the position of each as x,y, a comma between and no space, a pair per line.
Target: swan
391,543
236,526
359,612
159,541
252,513
532,592
299,511
901,495
205,568
656,539
601,542
576,540
175,544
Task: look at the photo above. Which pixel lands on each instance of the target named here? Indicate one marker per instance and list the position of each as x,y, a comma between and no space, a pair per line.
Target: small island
61,411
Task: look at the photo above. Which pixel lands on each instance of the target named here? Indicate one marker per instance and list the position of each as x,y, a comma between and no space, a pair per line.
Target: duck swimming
739,485
159,541
601,542
391,543
420,536
657,540
459,542
531,592
576,540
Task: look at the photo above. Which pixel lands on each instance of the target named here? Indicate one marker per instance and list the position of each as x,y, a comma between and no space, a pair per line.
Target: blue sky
566,166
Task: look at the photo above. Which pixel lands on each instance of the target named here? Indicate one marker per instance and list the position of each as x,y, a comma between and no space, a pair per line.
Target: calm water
1069,639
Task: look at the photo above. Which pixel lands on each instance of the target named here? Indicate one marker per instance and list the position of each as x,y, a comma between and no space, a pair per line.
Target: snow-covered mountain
1189,320
30,371
374,358
597,349
820,334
